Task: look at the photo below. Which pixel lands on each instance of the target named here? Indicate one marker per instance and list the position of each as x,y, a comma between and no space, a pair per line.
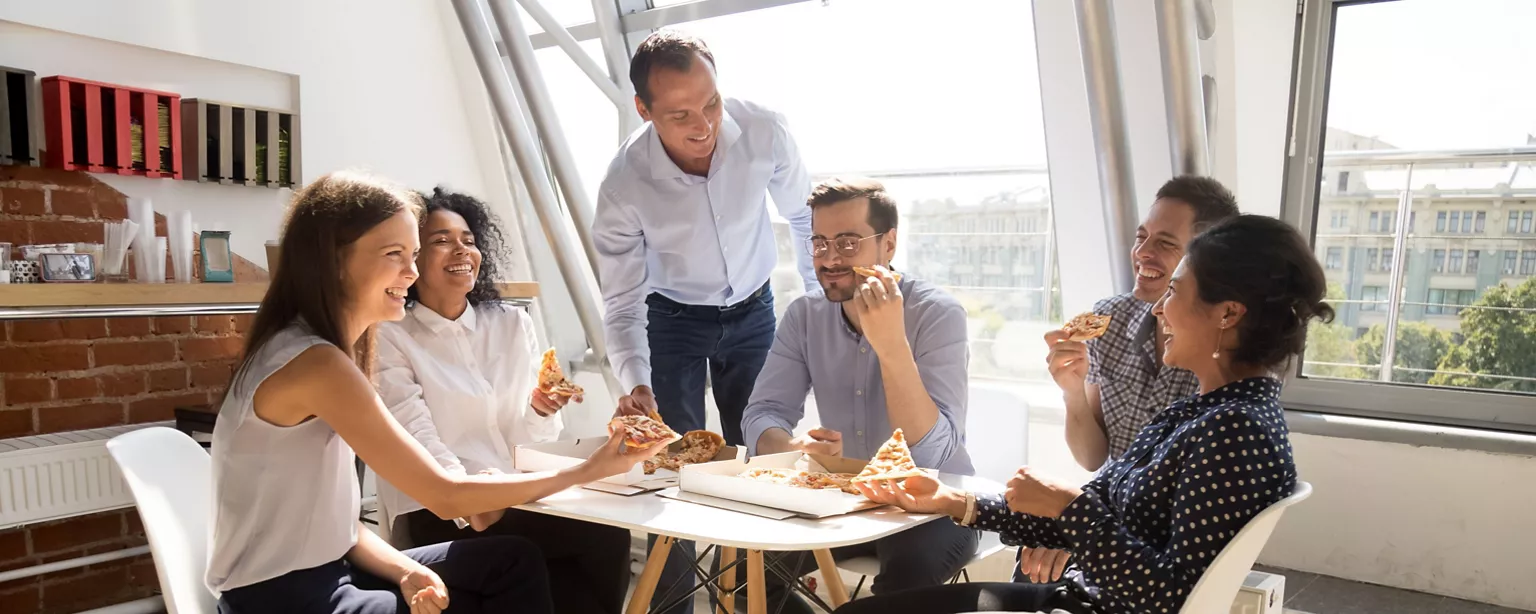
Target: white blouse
461,388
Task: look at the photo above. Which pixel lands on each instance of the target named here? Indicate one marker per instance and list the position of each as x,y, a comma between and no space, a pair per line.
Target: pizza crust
868,272
1086,326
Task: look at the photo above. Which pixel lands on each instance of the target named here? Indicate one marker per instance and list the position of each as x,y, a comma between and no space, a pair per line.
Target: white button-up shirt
461,388
695,240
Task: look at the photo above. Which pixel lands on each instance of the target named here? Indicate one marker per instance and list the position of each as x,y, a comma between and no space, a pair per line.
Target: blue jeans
688,342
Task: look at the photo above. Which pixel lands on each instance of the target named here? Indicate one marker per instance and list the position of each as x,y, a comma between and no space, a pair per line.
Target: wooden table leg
728,581
829,574
757,584
645,588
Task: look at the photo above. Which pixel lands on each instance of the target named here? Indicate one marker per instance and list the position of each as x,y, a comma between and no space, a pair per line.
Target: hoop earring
1219,331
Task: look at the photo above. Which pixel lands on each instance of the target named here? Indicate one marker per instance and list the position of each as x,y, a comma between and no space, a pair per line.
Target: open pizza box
556,455
722,480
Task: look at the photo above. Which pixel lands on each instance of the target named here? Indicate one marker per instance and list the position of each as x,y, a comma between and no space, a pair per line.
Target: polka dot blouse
1146,528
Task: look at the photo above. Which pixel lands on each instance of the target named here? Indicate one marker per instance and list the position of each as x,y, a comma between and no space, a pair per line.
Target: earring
1219,331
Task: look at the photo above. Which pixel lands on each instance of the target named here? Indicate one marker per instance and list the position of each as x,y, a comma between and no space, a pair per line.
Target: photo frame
68,268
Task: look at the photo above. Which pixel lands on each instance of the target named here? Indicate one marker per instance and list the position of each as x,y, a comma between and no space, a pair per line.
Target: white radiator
59,475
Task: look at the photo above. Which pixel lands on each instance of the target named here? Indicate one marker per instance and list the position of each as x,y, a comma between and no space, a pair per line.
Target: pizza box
722,480
556,455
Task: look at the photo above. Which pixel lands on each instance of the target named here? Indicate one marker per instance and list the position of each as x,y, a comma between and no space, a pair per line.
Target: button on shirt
1133,382
1147,527
815,349
695,240
461,388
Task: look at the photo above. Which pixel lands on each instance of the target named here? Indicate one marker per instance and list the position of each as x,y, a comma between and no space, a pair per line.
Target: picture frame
67,268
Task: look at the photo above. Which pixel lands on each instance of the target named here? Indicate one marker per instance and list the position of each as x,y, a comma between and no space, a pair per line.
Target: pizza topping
812,480
694,447
552,377
891,462
640,431
1086,326
868,272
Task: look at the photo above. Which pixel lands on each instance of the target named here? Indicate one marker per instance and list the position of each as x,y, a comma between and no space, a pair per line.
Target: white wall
1449,522
371,81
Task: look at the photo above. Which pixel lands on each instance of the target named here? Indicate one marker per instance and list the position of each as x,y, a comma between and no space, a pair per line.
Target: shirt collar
439,324
662,166
1262,389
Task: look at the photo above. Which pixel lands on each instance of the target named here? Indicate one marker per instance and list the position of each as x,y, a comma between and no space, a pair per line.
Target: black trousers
588,563
970,597
497,575
928,554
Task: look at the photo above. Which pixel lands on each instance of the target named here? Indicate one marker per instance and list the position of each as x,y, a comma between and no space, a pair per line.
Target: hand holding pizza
1030,492
615,458
639,402
548,403
1067,360
879,305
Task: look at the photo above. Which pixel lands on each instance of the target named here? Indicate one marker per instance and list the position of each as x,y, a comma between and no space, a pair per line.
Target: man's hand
1043,565
1067,361
547,403
820,441
1031,493
879,305
424,591
639,402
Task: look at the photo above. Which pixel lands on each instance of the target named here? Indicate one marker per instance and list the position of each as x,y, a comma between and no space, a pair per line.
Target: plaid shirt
1134,385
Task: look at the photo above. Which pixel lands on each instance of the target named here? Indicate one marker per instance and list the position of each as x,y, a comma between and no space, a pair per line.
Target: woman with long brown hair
286,532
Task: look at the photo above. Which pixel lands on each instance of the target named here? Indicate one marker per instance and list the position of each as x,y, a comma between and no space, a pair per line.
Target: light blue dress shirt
695,240
816,349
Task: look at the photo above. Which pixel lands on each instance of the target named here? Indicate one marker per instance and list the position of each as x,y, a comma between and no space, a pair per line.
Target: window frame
1301,193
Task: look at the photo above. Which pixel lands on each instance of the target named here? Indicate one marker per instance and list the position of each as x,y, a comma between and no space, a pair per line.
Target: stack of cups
179,227
144,245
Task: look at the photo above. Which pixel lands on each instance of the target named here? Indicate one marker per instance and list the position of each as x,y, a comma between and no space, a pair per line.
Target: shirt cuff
991,512
634,372
1083,519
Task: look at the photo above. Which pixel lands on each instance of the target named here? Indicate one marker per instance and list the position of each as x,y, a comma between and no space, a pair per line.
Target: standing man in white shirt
685,245
684,241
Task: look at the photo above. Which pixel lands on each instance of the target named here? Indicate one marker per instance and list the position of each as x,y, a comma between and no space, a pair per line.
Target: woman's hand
1043,565
548,403
920,494
424,591
1031,493
615,458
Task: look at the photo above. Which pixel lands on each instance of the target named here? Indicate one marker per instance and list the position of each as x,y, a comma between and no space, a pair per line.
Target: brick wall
69,374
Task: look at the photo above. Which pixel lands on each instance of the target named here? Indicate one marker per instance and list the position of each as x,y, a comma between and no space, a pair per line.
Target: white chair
867,566
171,480
1219,584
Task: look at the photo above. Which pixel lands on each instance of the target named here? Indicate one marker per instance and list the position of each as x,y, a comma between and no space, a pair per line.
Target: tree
1419,346
1499,332
1332,343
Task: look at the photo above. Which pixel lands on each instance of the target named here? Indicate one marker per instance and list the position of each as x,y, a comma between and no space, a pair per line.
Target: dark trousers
588,563
496,575
726,344
928,554
690,343
970,597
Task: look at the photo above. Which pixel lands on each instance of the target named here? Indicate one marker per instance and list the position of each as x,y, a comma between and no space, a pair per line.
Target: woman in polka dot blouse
1144,531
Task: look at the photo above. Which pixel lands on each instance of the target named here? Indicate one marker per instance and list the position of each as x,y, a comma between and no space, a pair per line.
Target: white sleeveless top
286,498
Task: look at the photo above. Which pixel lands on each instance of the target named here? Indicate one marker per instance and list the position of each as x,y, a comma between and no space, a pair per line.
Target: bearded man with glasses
881,351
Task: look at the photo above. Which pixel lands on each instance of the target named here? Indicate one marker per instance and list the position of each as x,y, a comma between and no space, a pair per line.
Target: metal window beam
661,17
573,49
1112,146
1182,87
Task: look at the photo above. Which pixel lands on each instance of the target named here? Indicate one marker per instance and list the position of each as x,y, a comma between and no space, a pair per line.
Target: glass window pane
1454,333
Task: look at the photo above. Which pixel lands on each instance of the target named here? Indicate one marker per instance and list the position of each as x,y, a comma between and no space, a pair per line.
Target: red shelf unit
107,128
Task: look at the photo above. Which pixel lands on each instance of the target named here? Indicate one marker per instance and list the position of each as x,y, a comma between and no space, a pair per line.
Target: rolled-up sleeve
942,354
790,187
620,244
401,393
778,398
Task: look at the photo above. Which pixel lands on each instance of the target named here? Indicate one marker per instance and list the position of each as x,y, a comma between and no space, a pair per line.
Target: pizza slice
868,272
694,447
1086,326
552,377
892,462
640,431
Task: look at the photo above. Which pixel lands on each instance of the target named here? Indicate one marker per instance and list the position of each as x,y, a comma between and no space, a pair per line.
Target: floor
1308,593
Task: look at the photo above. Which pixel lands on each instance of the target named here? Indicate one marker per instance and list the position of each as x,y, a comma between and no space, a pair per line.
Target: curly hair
1264,264
488,238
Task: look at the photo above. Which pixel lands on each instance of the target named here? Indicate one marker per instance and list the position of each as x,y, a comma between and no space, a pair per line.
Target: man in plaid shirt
1115,384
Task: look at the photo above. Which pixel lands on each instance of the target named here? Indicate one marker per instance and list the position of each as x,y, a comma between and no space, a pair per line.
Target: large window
1437,316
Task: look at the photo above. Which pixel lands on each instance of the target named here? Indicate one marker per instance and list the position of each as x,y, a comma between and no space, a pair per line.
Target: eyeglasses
847,246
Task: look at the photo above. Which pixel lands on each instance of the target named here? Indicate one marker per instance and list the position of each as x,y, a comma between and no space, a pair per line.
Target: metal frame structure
1303,165
1112,145
1183,90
